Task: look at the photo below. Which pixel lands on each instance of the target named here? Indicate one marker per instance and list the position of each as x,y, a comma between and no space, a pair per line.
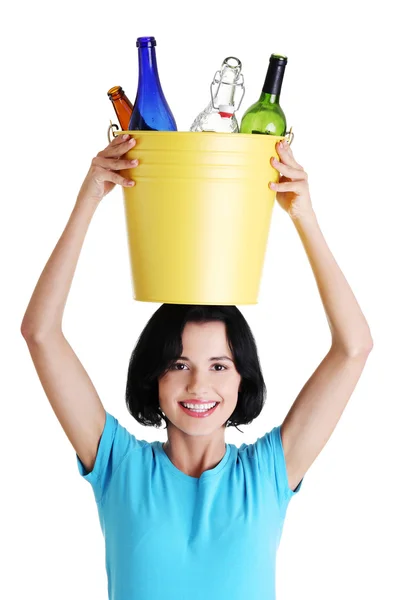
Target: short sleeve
271,456
115,443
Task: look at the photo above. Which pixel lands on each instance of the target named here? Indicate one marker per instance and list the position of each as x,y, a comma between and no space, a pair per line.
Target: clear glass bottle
228,122
224,88
151,110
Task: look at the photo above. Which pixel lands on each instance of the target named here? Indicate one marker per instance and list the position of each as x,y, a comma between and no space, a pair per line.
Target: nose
197,384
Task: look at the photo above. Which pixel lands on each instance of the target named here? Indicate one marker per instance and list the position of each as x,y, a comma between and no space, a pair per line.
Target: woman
194,516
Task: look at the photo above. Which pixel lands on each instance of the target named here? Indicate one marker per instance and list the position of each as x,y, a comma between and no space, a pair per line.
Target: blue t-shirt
170,536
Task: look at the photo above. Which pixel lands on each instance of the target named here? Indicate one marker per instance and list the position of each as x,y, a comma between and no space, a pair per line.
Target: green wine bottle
266,116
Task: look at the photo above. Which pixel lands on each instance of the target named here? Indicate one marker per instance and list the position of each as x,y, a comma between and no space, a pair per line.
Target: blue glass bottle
150,110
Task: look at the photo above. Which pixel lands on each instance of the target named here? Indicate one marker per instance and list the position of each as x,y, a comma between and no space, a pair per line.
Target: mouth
198,412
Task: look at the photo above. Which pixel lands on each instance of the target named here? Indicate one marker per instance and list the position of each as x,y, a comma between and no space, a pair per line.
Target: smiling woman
198,335
204,390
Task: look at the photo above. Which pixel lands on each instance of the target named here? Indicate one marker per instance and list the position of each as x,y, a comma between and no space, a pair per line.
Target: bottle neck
148,71
273,82
227,89
225,95
269,98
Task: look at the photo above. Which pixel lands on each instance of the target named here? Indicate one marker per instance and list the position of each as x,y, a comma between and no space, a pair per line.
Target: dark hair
160,345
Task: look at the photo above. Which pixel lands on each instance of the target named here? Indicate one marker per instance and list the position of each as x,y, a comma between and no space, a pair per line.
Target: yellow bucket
199,215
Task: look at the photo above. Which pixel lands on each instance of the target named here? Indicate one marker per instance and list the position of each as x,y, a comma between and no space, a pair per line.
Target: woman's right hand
102,175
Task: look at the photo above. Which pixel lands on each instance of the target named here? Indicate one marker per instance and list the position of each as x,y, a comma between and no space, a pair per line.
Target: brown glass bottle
122,106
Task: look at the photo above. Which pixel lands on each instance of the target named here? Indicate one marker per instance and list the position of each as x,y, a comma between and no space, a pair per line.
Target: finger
102,175
114,164
119,139
290,151
286,155
291,172
118,148
288,186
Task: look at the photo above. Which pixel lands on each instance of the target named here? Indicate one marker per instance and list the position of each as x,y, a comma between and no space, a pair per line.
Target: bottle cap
146,42
226,110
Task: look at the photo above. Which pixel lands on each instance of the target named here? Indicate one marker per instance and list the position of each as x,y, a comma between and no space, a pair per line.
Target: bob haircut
160,345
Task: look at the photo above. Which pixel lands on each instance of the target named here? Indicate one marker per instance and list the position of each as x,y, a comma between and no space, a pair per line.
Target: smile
199,412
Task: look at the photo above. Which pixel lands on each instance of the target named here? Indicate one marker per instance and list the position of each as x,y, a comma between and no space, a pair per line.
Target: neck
193,455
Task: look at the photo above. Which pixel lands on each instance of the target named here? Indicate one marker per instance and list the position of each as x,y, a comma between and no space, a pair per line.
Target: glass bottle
266,116
228,80
151,110
122,106
228,122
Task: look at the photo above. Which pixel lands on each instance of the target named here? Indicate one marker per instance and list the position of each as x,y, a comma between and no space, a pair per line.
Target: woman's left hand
292,190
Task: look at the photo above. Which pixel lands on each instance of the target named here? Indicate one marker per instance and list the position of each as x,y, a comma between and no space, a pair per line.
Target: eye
177,365
183,365
219,365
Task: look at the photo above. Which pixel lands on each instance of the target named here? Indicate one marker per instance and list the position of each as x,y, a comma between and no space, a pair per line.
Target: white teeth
199,407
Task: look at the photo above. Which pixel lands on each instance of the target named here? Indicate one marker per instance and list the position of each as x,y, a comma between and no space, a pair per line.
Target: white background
340,537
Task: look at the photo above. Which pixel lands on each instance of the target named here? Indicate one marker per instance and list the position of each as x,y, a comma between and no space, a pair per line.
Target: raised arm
66,383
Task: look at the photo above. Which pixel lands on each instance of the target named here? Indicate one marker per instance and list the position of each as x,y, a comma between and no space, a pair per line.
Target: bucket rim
113,131
193,133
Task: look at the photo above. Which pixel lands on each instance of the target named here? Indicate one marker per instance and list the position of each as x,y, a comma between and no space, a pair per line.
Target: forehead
205,335
206,328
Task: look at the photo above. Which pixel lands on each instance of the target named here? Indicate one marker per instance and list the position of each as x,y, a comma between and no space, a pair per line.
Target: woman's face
198,377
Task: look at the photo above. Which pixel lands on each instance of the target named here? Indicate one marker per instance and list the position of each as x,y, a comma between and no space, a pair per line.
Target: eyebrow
210,359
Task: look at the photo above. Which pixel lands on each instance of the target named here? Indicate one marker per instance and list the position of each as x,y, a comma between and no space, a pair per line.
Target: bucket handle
289,135
111,129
